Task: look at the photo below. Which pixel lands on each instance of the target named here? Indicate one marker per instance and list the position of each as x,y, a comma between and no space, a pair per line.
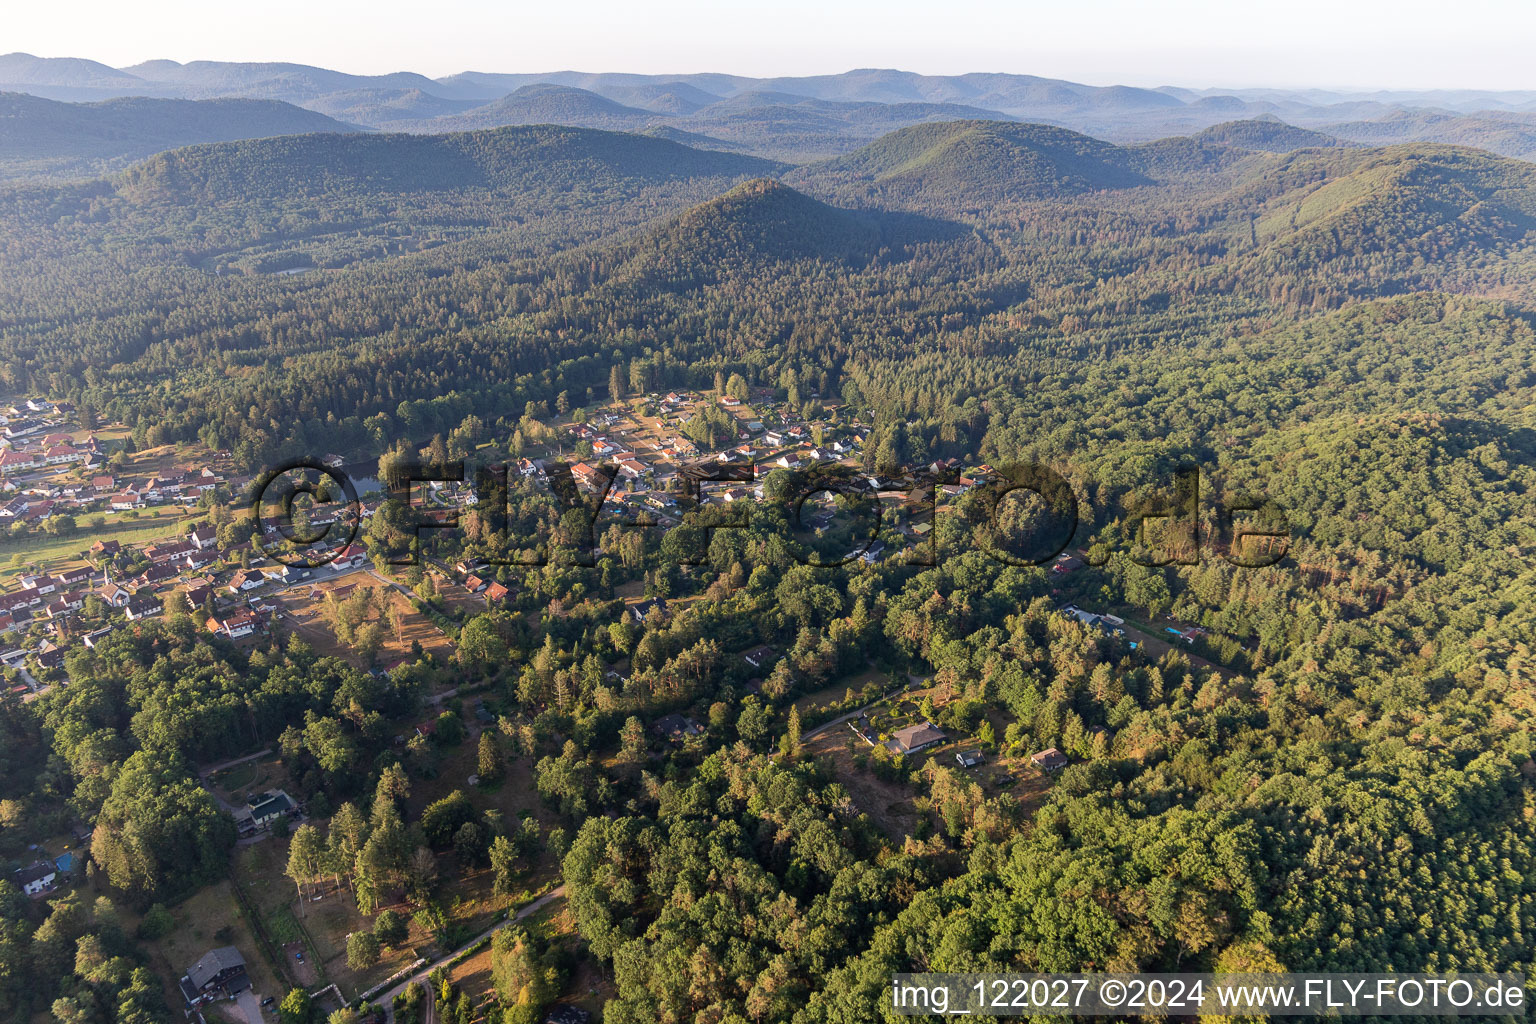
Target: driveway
250,1005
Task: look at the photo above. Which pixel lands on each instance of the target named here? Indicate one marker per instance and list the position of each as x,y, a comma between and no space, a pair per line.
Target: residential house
642,609
677,728
219,974
12,462
73,577
64,605
37,878
353,556
143,607
1051,760
61,454
915,738
234,625
586,476
246,579
21,600
269,807
160,553
761,658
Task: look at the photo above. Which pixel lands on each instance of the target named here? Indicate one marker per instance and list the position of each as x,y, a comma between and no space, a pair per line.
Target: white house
37,878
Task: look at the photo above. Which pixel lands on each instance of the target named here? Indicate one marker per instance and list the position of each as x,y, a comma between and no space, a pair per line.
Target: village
64,482
106,575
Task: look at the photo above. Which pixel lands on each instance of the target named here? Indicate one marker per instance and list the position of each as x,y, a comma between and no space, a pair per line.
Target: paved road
387,999
250,1005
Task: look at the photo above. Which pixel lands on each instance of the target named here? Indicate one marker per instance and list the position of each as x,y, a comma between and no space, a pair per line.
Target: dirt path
1158,647
849,716
214,769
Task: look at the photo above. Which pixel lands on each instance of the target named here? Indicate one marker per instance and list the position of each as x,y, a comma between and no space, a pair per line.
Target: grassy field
303,611
833,693
210,919
320,927
53,553
587,987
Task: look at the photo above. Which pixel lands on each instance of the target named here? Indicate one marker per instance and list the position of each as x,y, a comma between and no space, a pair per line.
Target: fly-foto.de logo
1169,525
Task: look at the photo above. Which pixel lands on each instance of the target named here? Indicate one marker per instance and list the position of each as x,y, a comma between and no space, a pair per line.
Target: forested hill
970,162
546,104
757,222
1267,135
541,158
1392,220
41,135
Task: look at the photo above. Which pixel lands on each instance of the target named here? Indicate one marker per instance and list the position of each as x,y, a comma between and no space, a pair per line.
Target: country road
387,999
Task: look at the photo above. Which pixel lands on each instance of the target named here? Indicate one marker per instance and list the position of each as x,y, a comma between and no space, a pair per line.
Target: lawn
321,926
58,552
834,692
303,611
207,920
317,928
586,987
240,783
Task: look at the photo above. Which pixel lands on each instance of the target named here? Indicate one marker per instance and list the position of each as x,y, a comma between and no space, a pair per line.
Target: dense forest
1339,775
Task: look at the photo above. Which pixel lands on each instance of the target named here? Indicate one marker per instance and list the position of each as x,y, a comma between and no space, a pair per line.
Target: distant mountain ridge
52,136
796,118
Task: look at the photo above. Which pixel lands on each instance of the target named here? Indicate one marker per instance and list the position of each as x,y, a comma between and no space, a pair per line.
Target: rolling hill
1507,134
971,162
383,107
809,117
537,158
1267,135
80,138
758,222
1392,220
694,139
544,104
661,97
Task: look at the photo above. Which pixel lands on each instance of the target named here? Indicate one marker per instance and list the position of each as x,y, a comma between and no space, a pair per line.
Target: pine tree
489,758
792,736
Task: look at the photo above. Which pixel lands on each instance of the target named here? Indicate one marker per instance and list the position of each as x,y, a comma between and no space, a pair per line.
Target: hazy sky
1325,43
